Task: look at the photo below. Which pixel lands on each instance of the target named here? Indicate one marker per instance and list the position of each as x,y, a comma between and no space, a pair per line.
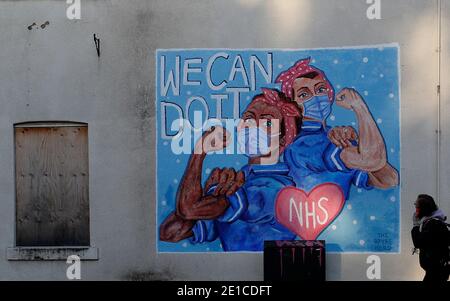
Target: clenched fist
341,136
215,139
349,98
228,181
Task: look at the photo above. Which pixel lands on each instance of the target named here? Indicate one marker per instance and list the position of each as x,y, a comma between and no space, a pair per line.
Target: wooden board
52,178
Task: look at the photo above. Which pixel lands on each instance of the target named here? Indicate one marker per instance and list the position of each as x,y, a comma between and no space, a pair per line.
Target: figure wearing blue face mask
318,107
313,159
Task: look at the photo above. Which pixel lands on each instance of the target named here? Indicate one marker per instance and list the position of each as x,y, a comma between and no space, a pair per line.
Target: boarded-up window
52,177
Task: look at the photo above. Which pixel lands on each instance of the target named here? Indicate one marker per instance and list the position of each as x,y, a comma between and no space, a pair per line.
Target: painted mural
256,145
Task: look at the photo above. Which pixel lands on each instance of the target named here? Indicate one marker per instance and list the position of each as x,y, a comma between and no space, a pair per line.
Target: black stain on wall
47,23
36,26
30,27
97,44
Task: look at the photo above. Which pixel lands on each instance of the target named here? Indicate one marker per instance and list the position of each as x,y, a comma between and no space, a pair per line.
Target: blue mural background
370,220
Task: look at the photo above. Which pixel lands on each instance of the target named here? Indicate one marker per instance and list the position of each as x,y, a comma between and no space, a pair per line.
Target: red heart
308,214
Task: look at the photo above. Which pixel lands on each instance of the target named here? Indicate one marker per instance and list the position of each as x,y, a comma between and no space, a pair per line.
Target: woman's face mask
318,107
254,141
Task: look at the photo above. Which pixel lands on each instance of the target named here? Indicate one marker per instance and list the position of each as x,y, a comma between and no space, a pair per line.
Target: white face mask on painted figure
254,141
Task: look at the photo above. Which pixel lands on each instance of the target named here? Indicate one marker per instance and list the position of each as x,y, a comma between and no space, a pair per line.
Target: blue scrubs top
313,159
250,218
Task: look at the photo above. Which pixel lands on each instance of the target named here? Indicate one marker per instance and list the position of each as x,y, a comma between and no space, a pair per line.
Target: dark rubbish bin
298,260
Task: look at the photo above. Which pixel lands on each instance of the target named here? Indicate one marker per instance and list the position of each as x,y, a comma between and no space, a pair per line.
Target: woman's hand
227,181
342,136
215,139
416,220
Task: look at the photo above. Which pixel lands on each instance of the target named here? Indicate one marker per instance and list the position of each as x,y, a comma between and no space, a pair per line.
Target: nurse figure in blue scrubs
340,156
238,208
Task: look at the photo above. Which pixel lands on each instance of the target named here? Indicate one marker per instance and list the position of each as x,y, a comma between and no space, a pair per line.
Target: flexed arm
222,183
370,153
191,202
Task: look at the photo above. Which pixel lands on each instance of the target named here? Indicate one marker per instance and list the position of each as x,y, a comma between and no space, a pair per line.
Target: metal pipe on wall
438,131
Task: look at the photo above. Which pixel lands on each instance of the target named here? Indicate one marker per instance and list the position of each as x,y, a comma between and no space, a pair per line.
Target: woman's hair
292,117
426,204
300,69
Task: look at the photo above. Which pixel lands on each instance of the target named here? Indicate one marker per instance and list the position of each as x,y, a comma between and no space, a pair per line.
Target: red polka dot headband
288,109
301,68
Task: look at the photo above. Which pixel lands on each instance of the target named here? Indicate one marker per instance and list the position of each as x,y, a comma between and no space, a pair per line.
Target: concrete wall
55,74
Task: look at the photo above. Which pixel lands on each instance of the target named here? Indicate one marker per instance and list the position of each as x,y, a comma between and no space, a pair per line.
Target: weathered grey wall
55,74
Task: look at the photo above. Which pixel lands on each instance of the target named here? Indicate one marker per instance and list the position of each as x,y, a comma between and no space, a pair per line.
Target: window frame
49,253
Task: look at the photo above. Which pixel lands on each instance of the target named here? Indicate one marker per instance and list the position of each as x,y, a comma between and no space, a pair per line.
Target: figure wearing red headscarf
339,155
237,207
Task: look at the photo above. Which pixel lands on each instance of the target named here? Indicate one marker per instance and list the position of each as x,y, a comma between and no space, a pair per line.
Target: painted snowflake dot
391,95
365,60
184,245
353,123
189,92
392,198
164,203
248,97
355,222
207,249
362,242
379,120
392,150
349,207
333,227
336,62
332,117
177,160
165,143
338,86
238,163
372,218
280,66
359,190
366,93
175,181
362,76
381,75
208,171
313,61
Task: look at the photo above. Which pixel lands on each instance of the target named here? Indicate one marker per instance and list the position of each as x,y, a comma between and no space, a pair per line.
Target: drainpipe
438,131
